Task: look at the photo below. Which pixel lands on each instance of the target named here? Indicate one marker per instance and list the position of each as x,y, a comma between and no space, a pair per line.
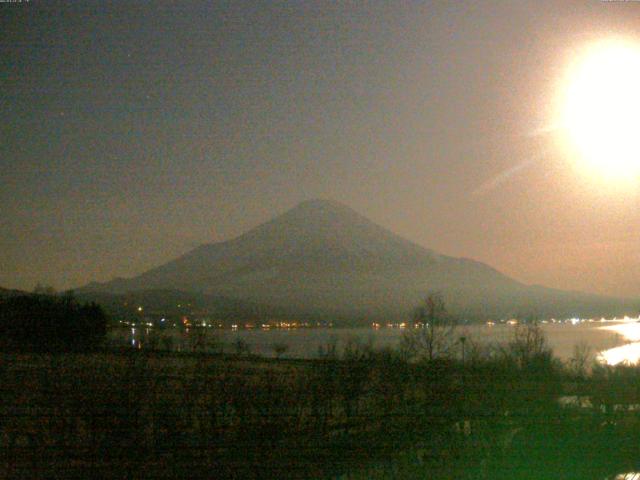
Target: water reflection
305,342
629,353
627,476
629,330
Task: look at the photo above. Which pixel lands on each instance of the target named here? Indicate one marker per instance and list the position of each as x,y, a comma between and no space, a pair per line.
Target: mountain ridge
324,256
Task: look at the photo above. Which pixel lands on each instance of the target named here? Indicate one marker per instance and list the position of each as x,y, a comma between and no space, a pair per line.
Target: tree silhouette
432,334
44,322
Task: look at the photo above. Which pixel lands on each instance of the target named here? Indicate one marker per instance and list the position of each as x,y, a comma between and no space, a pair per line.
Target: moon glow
601,113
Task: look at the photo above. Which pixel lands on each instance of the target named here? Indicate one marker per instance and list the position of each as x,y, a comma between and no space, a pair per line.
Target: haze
131,133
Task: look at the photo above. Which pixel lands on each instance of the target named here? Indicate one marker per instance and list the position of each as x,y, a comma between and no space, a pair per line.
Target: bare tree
529,347
581,360
433,334
241,347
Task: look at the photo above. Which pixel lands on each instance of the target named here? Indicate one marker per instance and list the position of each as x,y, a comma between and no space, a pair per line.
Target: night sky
133,132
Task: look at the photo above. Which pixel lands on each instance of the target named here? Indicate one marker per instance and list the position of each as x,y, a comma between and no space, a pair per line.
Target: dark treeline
511,411
44,322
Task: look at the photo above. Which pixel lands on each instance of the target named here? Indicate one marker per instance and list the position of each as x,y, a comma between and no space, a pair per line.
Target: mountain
325,259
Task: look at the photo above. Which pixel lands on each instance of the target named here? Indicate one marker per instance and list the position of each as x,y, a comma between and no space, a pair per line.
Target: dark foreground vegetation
512,412
421,411
40,322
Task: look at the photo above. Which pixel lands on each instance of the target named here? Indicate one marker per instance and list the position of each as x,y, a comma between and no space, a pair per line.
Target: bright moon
602,110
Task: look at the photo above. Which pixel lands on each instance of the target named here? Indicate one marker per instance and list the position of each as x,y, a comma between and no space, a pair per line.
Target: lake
612,341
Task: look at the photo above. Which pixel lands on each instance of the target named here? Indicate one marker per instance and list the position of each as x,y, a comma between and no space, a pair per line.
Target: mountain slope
323,257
